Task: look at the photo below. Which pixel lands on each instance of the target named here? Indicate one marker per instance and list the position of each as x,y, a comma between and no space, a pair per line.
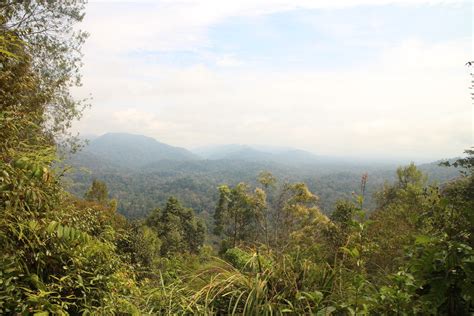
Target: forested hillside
141,186
269,249
134,151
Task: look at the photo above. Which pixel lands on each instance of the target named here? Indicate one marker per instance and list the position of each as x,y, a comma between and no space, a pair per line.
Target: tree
396,219
408,186
238,215
195,234
435,274
268,181
220,213
441,258
177,228
343,214
296,208
410,175
39,43
243,217
97,192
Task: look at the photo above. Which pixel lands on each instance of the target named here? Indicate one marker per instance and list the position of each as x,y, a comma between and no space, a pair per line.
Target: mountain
232,152
284,155
142,173
131,151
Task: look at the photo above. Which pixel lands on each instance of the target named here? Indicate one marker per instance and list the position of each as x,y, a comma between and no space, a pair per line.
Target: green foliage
238,214
146,246
79,256
343,214
59,268
262,285
57,256
237,257
177,228
97,192
43,36
434,275
194,182
466,165
63,255
266,179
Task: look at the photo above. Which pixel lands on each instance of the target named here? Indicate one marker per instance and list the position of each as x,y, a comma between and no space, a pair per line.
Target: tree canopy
270,249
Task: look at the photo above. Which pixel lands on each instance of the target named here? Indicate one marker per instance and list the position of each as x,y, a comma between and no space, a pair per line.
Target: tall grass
264,285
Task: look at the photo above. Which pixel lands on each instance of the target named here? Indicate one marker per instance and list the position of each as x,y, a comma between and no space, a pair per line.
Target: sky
362,78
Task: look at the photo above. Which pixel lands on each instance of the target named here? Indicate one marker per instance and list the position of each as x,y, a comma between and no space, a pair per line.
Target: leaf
52,227
355,253
8,54
326,311
422,239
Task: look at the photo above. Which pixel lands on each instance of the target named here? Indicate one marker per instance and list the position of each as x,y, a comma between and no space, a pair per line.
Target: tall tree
238,215
97,192
268,181
396,219
296,208
178,228
45,45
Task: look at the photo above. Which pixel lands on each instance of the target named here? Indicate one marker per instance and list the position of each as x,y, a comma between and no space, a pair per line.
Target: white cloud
413,96
181,25
228,61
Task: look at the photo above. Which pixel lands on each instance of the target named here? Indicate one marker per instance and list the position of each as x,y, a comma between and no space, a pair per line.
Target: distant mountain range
138,151
283,155
142,172
133,151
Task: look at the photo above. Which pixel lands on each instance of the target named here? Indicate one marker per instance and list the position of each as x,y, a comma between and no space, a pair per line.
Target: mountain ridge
132,150
138,151
140,175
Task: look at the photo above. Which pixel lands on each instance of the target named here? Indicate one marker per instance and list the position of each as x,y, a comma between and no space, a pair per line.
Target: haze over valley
244,157
142,172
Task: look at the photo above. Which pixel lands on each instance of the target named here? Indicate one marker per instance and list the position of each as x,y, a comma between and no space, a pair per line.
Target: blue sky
320,39
375,78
